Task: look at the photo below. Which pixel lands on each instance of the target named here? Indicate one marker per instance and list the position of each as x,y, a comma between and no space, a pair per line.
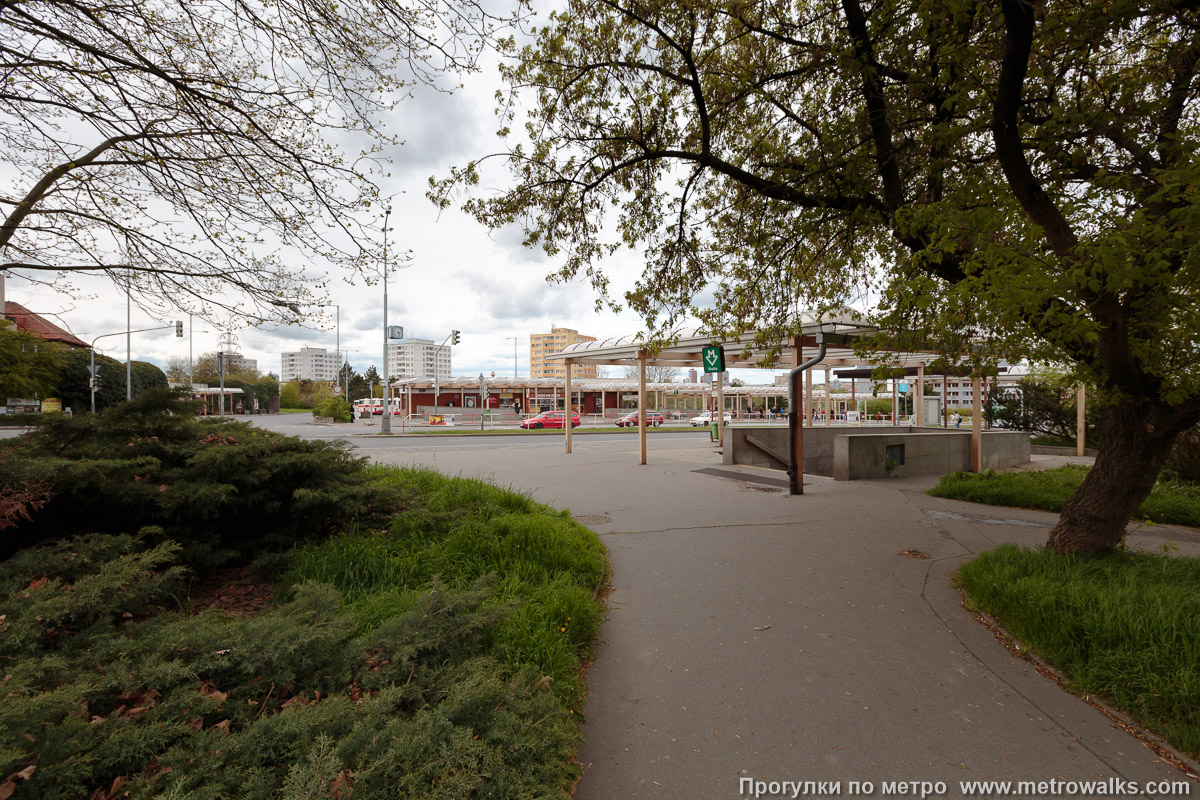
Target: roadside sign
337,389
903,388
714,359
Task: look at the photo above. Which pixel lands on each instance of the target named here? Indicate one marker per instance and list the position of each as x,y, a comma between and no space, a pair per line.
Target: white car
706,419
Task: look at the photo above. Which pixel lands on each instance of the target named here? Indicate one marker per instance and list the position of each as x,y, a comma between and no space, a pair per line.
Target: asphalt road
367,438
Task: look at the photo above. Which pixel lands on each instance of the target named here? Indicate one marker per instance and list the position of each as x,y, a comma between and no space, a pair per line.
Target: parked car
706,419
653,418
549,419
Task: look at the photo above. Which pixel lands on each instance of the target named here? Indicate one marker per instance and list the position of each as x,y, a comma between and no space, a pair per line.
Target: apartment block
418,358
309,364
545,344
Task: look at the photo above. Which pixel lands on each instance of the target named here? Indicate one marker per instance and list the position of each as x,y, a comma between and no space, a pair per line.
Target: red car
549,419
653,418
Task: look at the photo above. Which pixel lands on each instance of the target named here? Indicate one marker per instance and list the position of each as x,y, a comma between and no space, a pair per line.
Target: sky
460,275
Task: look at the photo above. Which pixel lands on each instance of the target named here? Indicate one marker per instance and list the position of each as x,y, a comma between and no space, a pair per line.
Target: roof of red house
28,321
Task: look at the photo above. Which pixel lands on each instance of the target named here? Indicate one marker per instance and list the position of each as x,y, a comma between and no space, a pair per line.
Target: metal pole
339,347
92,369
385,425
795,424
221,362
191,363
128,339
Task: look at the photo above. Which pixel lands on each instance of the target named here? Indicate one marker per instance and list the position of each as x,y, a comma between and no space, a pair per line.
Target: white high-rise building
418,358
309,364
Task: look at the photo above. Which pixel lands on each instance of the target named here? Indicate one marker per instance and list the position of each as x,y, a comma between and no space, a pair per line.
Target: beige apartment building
545,344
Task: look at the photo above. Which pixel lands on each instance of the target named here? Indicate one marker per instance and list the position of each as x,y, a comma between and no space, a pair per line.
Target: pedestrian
517,407
957,419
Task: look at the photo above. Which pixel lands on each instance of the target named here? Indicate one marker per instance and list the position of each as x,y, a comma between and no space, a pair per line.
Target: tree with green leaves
1007,178
73,380
29,365
177,146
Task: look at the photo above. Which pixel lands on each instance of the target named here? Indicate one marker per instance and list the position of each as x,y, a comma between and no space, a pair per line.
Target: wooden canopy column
808,398
720,411
828,401
945,407
641,359
919,404
567,365
976,427
795,421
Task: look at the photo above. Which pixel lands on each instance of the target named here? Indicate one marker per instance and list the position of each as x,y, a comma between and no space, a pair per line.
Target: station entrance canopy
829,336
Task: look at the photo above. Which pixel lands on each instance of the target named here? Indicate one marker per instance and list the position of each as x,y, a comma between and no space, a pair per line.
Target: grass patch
457,531
1052,441
1170,502
1124,626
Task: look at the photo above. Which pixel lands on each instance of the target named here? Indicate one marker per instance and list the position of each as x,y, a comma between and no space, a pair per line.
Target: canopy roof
741,352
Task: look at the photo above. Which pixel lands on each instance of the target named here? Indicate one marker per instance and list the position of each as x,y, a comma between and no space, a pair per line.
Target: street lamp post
385,424
92,357
514,341
482,400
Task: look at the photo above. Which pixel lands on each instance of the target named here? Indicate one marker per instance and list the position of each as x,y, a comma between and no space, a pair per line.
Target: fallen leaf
223,726
914,553
10,783
763,628
341,785
208,689
36,584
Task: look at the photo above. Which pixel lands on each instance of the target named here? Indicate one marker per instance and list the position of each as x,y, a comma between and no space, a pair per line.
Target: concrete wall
818,447
852,454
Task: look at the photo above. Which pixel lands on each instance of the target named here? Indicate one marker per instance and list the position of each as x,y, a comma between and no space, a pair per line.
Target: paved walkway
753,635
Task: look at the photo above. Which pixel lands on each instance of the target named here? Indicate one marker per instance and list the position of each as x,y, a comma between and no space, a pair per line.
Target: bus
374,406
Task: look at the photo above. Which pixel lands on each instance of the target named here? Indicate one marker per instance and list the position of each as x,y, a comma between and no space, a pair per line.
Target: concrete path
755,636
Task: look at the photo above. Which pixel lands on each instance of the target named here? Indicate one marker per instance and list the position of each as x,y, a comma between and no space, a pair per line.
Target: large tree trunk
1135,440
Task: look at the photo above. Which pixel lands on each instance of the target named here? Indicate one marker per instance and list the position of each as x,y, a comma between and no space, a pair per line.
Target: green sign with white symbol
714,359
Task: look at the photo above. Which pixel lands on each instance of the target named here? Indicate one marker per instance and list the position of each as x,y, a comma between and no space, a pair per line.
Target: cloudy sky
460,276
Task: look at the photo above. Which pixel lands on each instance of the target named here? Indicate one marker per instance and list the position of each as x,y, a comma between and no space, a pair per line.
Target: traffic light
179,328
453,337
96,382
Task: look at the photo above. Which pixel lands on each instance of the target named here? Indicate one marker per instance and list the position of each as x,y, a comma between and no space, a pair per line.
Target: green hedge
214,485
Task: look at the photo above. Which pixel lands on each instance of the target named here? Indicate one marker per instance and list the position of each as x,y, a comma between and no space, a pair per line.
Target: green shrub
1124,626
289,395
106,687
214,485
335,407
1184,460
